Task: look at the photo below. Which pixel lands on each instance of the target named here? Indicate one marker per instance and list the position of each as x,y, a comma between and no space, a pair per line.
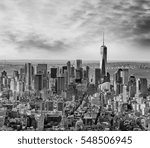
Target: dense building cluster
73,97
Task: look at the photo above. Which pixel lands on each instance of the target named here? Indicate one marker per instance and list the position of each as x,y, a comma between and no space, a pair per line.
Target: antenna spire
103,38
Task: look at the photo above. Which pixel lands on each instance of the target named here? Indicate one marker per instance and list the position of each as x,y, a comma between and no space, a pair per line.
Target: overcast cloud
73,29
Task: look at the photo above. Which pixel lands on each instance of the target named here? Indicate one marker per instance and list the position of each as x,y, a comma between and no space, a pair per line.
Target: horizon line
109,61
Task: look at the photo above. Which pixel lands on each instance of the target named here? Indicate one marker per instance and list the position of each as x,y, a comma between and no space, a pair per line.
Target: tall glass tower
103,59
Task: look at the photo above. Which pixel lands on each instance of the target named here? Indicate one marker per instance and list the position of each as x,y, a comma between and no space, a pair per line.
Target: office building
64,68
125,94
29,71
92,76
87,72
22,74
68,72
78,71
118,86
78,64
16,74
132,86
125,76
59,72
141,86
42,69
72,72
97,77
38,82
53,73
60,84
103,60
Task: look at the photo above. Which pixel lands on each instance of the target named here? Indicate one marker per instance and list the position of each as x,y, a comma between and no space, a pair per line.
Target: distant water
11,65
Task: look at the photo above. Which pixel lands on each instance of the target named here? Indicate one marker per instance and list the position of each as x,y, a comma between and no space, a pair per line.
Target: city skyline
57,30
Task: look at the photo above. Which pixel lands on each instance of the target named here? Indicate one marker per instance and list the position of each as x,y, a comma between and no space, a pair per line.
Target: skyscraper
78,64
53,73
103,60
69,71
42,69
28,75
38,82
132,86
141,86
118,87
60,84
97,76
125,76
22,74
78,71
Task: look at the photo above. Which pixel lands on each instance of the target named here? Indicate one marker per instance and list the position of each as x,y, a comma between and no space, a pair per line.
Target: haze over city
75,66
71,29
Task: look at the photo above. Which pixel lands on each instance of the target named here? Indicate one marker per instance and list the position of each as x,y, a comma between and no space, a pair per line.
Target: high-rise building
97,77
64,68
84,75
35,69
16,74
38,82
78,64
103,60
52,83
4,80
42,69
132,86
141,86
53,73
22,74
69,71
107,77
92,76
4,74
60,84
65,75
28,76
125,94
21,87
78,73
72,72
118,86
87,72
59,72
13,85
125,76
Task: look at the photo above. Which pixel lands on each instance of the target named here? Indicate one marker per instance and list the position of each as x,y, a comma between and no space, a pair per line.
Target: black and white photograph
74,65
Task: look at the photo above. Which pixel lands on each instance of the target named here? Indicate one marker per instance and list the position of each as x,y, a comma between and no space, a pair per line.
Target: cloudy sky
71,29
